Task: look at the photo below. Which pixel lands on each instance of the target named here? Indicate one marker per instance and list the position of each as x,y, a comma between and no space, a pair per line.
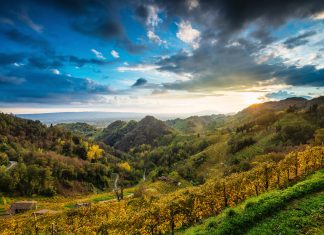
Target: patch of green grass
303,216
238,220
69,206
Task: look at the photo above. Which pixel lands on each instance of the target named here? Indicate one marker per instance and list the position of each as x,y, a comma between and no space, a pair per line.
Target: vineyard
161,214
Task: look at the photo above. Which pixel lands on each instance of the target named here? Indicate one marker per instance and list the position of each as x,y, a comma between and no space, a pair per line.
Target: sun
251,98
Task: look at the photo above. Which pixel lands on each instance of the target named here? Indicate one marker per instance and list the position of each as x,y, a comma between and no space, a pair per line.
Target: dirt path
11,165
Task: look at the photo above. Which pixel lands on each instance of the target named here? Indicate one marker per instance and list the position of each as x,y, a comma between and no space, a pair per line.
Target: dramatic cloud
304,76
298,40
107,30
27,40
178,49
140,82
209,67
36,87
228,16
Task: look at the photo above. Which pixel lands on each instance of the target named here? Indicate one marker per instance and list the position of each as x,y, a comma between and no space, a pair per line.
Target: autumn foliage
161,214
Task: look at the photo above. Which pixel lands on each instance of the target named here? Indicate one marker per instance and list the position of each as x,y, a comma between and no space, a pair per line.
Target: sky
158,56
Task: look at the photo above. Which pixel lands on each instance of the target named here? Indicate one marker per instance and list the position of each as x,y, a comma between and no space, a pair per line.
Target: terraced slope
296,210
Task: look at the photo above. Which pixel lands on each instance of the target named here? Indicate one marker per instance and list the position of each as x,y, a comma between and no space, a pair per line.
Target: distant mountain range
99,119
88,117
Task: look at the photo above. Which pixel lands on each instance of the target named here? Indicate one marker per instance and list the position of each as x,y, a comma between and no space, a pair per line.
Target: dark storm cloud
106,30
141,12
304,76
76,7
234,68
215,67
24,39
231,62
41,87
228,63
95,18
98,18
299,40
109,30
263,35
41,62
228,16
140,82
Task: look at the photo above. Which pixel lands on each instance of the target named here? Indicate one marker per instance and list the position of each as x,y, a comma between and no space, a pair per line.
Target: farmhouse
22,206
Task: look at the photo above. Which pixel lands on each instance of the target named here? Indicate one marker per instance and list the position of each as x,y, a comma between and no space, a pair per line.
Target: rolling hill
124,136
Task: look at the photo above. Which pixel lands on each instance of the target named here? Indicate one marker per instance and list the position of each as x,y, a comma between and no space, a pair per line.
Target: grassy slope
260,215
302,216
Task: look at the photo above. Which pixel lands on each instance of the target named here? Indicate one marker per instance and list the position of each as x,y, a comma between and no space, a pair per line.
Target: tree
94,152
4,160
119,181
125,166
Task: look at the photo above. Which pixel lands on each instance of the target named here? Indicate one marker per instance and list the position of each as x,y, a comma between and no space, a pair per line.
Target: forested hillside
197,124
125,136
79,128
50,160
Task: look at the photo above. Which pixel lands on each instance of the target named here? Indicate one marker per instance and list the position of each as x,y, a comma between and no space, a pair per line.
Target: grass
108,197
247,215
303,216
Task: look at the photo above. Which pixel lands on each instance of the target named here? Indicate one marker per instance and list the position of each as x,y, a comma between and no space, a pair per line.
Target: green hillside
125,135
197,124
296,210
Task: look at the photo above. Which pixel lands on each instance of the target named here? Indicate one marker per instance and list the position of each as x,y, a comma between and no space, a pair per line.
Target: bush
49,192
4,160
241,143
